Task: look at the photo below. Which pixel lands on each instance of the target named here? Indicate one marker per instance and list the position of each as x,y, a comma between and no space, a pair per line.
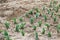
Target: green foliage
31,20
34,27
52,14
49,34
45,17
6,33
43,31
48,25
37,10
7,24
21,19
22,32
55,19
8,38
36,36
58,28
22,25
27,15
39,23
30,12
17,28
37,15
14,20
48,10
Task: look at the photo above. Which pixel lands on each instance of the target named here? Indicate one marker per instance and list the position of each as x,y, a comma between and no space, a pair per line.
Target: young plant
22,25
45,18
58,28
39,23
14,20
34,27
17,28
51,4
36,36
52,14
37,10
55,19
7,24
48,25
6,33
8,38
43,31
43,8
22,32
31,20
37,15
30,12
27,15
21,19
48,10
49,34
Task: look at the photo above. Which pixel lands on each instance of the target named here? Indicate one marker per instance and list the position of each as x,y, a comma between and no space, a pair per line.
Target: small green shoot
43,31
22,32
37,10
14,20
48,11
17,28
7,24
27,15
31,20
30,12
55,19
22,25
45,17
48,25
39,23
37,15
49,34
43,8
21,19
36,36
34,27
52,14
8,38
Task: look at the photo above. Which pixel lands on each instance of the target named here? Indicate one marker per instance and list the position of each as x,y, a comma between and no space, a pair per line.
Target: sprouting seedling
22,32
58,28
54,2
14,20
52,13
30,12
17,28
34,27
48,10
37,10
43,31
36,36
39,23
6,33
1,31
21,19
55,19
43,7
27,15
22,25
37,15
51,4
45,18
7,24
59,5
59,15
48,25
49,34
8,38
31,20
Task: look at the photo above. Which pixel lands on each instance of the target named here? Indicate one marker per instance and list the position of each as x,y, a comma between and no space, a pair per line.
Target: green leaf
34,27
30,12
55,19
21,19
43,31
37,15
45,17
22,32
49,34
31,20
7,24
14,19
39,23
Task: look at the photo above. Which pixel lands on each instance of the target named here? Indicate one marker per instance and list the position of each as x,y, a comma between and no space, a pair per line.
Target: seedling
6,33
43,31
17,28
8,38
21,19
43,8
34,27
48,11
37,15
39,23
58,28
51,4
30,12
48,25
31,20
22,25
55,19
27,15
14,20
45,18
37,10
52,13
49,34
22,32
7,24
36,36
